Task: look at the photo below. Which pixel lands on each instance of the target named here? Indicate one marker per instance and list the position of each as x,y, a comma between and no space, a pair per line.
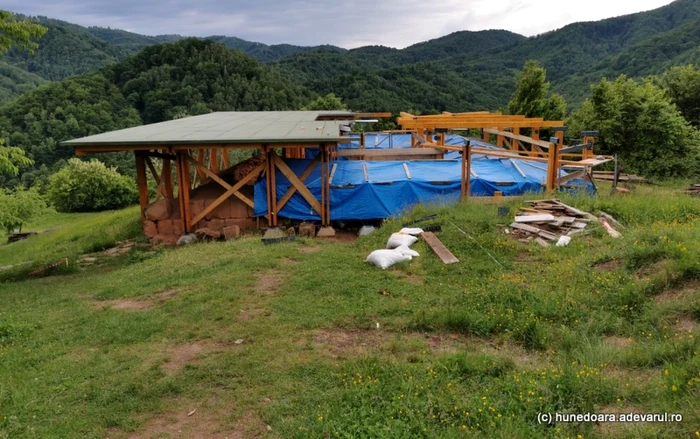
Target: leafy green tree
20,34
19,206
532,97
682,84
90,186
327,102
639,122
11,158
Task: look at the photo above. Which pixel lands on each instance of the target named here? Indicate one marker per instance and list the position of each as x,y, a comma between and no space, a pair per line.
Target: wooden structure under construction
196,152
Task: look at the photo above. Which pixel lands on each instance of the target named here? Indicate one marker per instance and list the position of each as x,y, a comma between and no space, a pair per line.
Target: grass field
303,339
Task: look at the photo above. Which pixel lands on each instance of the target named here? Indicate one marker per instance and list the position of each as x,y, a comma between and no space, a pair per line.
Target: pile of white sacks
398,249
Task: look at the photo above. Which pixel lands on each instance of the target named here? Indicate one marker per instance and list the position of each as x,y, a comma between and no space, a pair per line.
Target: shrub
19,206
89,187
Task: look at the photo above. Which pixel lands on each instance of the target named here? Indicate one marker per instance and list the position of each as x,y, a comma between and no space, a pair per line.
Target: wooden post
142,182
362,140
485,136
324,184
552,167
273,184
513,142
214,160
466,169
225,158
535,134
167,178
183,183
499,138
269,169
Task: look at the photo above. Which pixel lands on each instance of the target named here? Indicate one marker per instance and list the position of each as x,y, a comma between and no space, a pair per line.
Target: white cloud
395,23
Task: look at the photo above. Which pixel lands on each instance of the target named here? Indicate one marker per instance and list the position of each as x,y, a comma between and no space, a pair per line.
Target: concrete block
326,232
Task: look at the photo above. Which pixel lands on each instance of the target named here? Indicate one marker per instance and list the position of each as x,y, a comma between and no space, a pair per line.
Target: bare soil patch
136,304
650,270
309,249
346,343
289,261
686,324
412,278
269,281
204,423
680,293
609,265
183,354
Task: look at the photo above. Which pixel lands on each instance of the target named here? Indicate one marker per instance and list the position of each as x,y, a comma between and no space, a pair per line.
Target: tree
19,206
682,84
327,102
90,186
11,158
532,97
639,122
20,34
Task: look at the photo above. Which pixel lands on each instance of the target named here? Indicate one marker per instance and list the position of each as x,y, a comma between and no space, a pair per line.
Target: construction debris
549,220
610,176
610,229
439,248
693,190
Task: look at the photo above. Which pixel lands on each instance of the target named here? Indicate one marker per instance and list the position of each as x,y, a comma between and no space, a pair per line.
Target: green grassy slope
304,339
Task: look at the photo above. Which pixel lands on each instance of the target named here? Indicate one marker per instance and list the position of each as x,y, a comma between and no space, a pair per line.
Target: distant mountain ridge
461,71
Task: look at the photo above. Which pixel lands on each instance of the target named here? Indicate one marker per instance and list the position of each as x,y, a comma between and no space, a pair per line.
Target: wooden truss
200,164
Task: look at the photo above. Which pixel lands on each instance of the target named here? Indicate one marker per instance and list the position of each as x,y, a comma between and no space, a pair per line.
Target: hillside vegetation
304,339
160,83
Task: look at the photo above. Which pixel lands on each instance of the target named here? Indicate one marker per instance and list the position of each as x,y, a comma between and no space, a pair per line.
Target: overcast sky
394,23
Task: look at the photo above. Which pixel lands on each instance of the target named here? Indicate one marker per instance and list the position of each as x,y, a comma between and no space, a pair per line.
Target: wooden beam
183,168
142,183
233,191
304,175
439,248
203,169
225,158
214,160
525,139
167,178
296,182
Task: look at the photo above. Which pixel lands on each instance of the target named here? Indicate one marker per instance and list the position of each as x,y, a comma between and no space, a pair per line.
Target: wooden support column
183,184
535,134
142,182
514,145
499,138
466,170
485,136
214,160
553,167
273,185
167,178
224,158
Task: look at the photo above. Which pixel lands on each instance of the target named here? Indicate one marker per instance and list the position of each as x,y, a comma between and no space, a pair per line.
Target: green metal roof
229,127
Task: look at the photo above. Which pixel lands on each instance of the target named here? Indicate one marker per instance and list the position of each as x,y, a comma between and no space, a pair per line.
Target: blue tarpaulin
390,189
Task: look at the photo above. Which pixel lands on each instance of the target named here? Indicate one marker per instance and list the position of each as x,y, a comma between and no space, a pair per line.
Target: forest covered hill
461,71
86,80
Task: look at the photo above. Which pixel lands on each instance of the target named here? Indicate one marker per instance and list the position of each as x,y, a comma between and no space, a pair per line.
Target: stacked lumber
610,176
548,220
693,190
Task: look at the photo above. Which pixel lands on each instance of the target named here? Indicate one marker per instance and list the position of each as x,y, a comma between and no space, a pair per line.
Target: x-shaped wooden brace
230,190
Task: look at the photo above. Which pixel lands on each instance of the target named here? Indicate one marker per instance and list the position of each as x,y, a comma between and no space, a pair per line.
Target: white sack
411,231
399,239
404,249
386,258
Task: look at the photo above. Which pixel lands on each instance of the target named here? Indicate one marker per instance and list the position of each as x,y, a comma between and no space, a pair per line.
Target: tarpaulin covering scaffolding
381,189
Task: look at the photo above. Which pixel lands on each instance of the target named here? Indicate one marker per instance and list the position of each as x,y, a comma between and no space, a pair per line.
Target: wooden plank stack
547,220
610,176
693,190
